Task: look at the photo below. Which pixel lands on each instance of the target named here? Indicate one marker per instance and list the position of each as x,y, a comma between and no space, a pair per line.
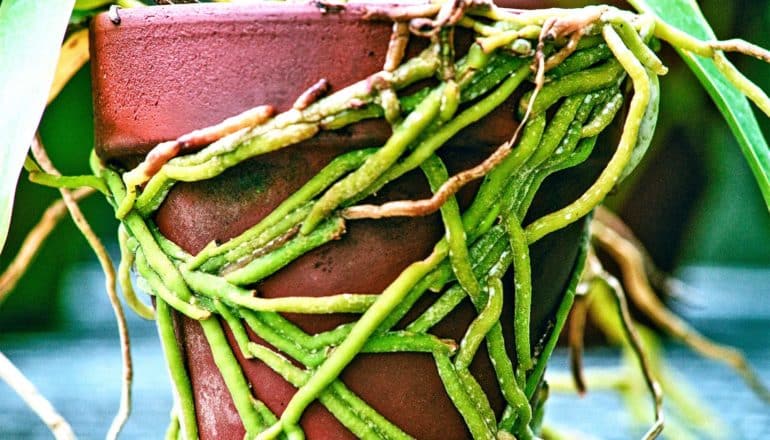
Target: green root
581,59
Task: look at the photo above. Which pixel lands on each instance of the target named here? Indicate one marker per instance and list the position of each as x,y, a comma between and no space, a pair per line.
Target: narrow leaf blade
687,16
31,33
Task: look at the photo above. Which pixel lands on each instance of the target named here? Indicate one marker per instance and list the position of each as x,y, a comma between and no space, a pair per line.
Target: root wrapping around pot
560,72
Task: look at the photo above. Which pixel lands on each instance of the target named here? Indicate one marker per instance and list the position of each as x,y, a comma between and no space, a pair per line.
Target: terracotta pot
164,71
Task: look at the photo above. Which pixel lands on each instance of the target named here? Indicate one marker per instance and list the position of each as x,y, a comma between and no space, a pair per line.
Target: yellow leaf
74,54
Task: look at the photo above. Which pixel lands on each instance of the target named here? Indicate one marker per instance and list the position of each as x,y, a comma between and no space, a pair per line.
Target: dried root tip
577,324
327,7
114,14
742,46
166,151
630,257
312,94
399,39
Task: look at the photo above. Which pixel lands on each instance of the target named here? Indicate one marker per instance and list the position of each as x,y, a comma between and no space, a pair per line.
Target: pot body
165,71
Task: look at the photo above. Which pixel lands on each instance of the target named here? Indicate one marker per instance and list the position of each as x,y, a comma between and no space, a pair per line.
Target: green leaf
31,32
687,16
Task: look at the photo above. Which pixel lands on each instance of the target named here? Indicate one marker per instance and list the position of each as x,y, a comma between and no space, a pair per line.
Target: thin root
577,325
34,241
631,262
312,94
38,151
636,345
563,53
658,278
166,151
742,46
417,208
399,39
39,404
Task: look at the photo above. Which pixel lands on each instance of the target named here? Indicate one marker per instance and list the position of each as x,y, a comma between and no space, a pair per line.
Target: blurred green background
693,201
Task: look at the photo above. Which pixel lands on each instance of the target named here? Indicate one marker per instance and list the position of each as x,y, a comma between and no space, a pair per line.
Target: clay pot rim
117,76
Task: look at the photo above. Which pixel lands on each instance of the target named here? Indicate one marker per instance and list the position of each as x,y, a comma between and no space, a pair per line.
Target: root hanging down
630,258
39,404
418,208
572,64
596,273
166,151
34,241
40,155
576,335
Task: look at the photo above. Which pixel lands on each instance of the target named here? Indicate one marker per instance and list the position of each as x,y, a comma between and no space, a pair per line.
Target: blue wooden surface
78,368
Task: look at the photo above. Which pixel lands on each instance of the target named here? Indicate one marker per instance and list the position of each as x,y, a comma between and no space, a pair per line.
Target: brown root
635,343
741,46
312,94
626,252
576,336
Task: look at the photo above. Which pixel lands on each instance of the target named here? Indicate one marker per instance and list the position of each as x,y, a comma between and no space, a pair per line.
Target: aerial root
743,47
576,335
312,94
658,279
450,13
166,151
401,13
36,401
715,50
40,155
34,241
575,26
563,53
631,258
399,39
127,258
423,207
595,271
